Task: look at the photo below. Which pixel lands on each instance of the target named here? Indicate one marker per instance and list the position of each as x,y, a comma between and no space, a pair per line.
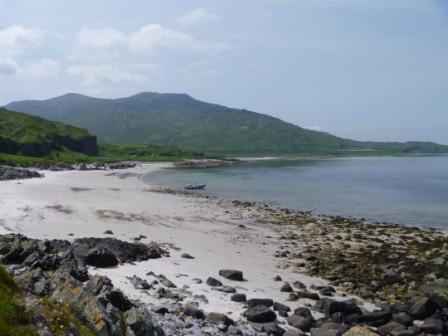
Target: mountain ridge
180,120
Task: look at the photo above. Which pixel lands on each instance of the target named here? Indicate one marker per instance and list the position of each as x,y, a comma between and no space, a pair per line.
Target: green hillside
180,120
33,136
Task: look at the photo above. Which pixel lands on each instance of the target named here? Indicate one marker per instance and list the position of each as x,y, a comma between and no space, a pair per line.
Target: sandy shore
68,205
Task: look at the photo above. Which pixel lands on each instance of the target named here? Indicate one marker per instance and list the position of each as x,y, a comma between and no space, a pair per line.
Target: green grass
22,128
108,154
14,319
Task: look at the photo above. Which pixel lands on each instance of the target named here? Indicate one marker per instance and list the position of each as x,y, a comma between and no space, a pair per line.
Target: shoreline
218,234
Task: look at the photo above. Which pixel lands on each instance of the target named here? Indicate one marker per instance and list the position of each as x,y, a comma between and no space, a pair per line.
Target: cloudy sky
364,69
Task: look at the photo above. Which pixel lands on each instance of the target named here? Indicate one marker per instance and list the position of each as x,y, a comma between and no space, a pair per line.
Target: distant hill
33,136
180,120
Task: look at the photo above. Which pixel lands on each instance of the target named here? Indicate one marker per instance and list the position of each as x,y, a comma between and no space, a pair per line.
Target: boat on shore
194,186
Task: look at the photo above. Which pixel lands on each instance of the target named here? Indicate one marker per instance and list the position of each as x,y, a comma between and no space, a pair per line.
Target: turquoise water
403,190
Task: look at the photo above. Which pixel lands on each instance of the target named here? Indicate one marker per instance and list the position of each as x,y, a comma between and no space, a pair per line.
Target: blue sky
363,69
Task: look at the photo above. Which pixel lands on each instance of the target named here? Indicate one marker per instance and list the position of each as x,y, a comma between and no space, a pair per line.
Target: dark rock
193,311
217,318
286,288
402,318
139,321
101,258
260,302
187,256
109,232
376,318
260,314
225,289
277,278
238,297
270,328
139,283
433,326
300,322
391,328
298,285
232,275
162,310
328,327
281,307
304,312
11,173
307,295
422,307
118,300
213,282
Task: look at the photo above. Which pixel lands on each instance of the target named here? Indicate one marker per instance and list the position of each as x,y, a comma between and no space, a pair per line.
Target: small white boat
195,186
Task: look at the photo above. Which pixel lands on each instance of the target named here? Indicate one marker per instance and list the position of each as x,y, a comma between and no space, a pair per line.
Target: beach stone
260,302
109,232
319,332
269,328
218,318
300,322
376,318
298,285
359,331
422,308
304,312
187,256
225,289
101,258
307,295
277,278
232,275
286,288
402,318
139,283
328,327
281,307
213,282
162,310
193,311
260,314
391,328
433,326
238,297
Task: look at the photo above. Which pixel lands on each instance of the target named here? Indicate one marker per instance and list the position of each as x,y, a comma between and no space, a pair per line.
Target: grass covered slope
29,141
14,320
180,120
33,136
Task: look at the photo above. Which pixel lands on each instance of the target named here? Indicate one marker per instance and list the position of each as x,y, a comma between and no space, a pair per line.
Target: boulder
286,288
260,314
139,283
281,307
269,328
193,311
433,326
213,282
422,307
300,322
298,285
238,297
232,275
260,302
218,318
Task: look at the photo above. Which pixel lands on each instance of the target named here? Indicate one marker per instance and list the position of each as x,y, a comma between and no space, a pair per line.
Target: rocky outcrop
87,145
56,270
11,173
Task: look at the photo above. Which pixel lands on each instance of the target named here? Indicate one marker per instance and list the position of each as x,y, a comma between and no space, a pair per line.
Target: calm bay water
403,190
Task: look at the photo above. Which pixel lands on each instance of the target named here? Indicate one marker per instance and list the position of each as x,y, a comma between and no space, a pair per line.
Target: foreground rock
56,271
232,275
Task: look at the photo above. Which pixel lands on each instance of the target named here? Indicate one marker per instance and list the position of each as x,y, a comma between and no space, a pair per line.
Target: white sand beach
73,204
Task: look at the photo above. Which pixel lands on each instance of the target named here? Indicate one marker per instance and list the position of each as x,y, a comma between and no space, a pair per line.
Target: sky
361,69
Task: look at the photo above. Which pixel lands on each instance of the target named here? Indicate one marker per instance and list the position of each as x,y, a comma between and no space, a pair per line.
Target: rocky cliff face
87,145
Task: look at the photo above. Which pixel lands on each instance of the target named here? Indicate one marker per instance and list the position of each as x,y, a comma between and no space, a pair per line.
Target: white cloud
14,39
197,17
98,74
45,68
146,40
